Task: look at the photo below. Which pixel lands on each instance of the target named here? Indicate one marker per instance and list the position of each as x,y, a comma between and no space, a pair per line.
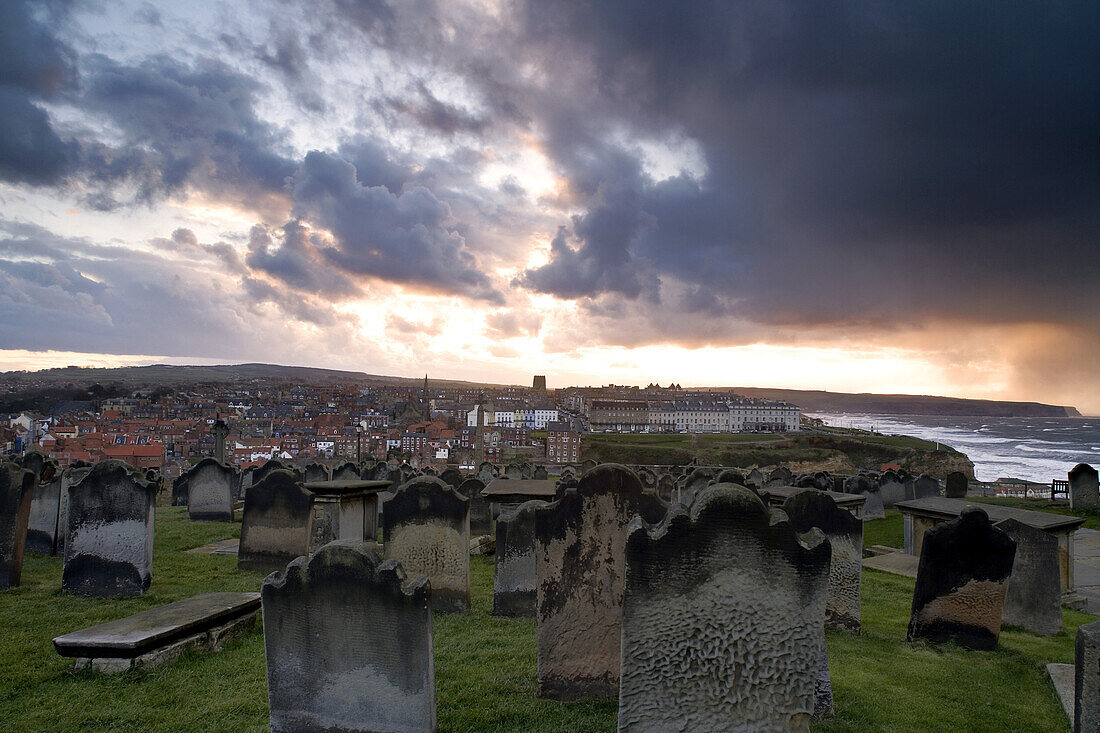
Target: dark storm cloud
405,239
294,260
863,161
429,111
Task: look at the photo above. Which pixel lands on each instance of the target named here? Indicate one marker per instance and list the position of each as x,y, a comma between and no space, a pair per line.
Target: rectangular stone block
349,645
1034,597
42,525
16,490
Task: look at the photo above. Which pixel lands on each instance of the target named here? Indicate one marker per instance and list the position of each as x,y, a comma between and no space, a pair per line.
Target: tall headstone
348,641
538,473
873,505
45,504
480,517
514,581
276,524
317,472
962,577
452,477
891,490
1083,487
1034,597
722,618
812,508
486,472
922,487
179,489
109,550
580,561
16,489
955,485
210,491
426,528
1086,658
220,431
71,475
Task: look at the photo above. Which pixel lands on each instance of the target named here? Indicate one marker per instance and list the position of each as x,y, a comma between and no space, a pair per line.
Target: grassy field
485,666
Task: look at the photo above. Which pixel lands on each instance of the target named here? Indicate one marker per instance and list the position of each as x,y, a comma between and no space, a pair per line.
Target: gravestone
955,485
779,477
722,618
873,505
210,491
730,476
812,508
539,473
426,528
273,464
276,525
755,479
317,472
348,640
962,577
179,489
587,465
1034,597
346,472
666,487
45,504
891,490
513,472
451,477
922,487
514,565
109,546
429,471
1083,491
580,542
1086,658
71,475
647,477
16,490
481,521
486,472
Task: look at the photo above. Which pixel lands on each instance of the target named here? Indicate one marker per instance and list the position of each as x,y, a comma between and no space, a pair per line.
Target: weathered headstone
347,471
486,472
45,504
71,475
666,487
513,471
1034,597
317,472
481,521
179,489
451,476
514,586
538,473
16,489
1083,487
588,464
955,485
1086,658
274,464
426,528
349,644
922,487
210,491
722,618
276,525
755,479
873,506
580,561
962,577
812,508
891,490
109,550
781,476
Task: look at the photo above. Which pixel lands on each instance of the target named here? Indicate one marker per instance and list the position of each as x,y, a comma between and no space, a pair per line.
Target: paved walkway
897,563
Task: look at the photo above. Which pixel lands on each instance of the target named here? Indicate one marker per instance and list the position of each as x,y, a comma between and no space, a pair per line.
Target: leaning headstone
514,567
1034,597
426,528
755,479
109,550
1083,487
16,489
276,525
922,487
210,491
873,506
722,618
348,642
812,508
891,490
962,577
580,542
955,485
480,516
1086,658
179,490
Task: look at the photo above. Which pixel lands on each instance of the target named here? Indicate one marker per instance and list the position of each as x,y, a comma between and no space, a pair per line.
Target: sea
1033,448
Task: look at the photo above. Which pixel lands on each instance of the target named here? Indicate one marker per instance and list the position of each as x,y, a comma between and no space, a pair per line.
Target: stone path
897,563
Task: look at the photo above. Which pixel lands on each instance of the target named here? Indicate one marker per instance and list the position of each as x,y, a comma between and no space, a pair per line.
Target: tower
426,401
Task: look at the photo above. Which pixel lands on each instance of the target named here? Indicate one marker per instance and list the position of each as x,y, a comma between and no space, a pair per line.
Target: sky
856,196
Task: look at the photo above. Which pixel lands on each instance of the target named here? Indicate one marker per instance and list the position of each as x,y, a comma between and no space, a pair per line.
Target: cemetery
357,599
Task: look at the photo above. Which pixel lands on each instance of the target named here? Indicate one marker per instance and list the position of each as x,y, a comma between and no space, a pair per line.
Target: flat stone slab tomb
161,634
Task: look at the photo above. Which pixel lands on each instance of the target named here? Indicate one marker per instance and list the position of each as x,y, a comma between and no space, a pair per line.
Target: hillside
901,404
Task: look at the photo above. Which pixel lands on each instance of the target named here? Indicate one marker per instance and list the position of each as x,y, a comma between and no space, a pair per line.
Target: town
168,428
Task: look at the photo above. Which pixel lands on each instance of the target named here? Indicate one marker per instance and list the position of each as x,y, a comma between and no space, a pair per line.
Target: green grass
485,666
888,532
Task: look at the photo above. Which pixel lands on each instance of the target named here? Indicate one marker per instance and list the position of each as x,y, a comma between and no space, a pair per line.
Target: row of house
692,416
